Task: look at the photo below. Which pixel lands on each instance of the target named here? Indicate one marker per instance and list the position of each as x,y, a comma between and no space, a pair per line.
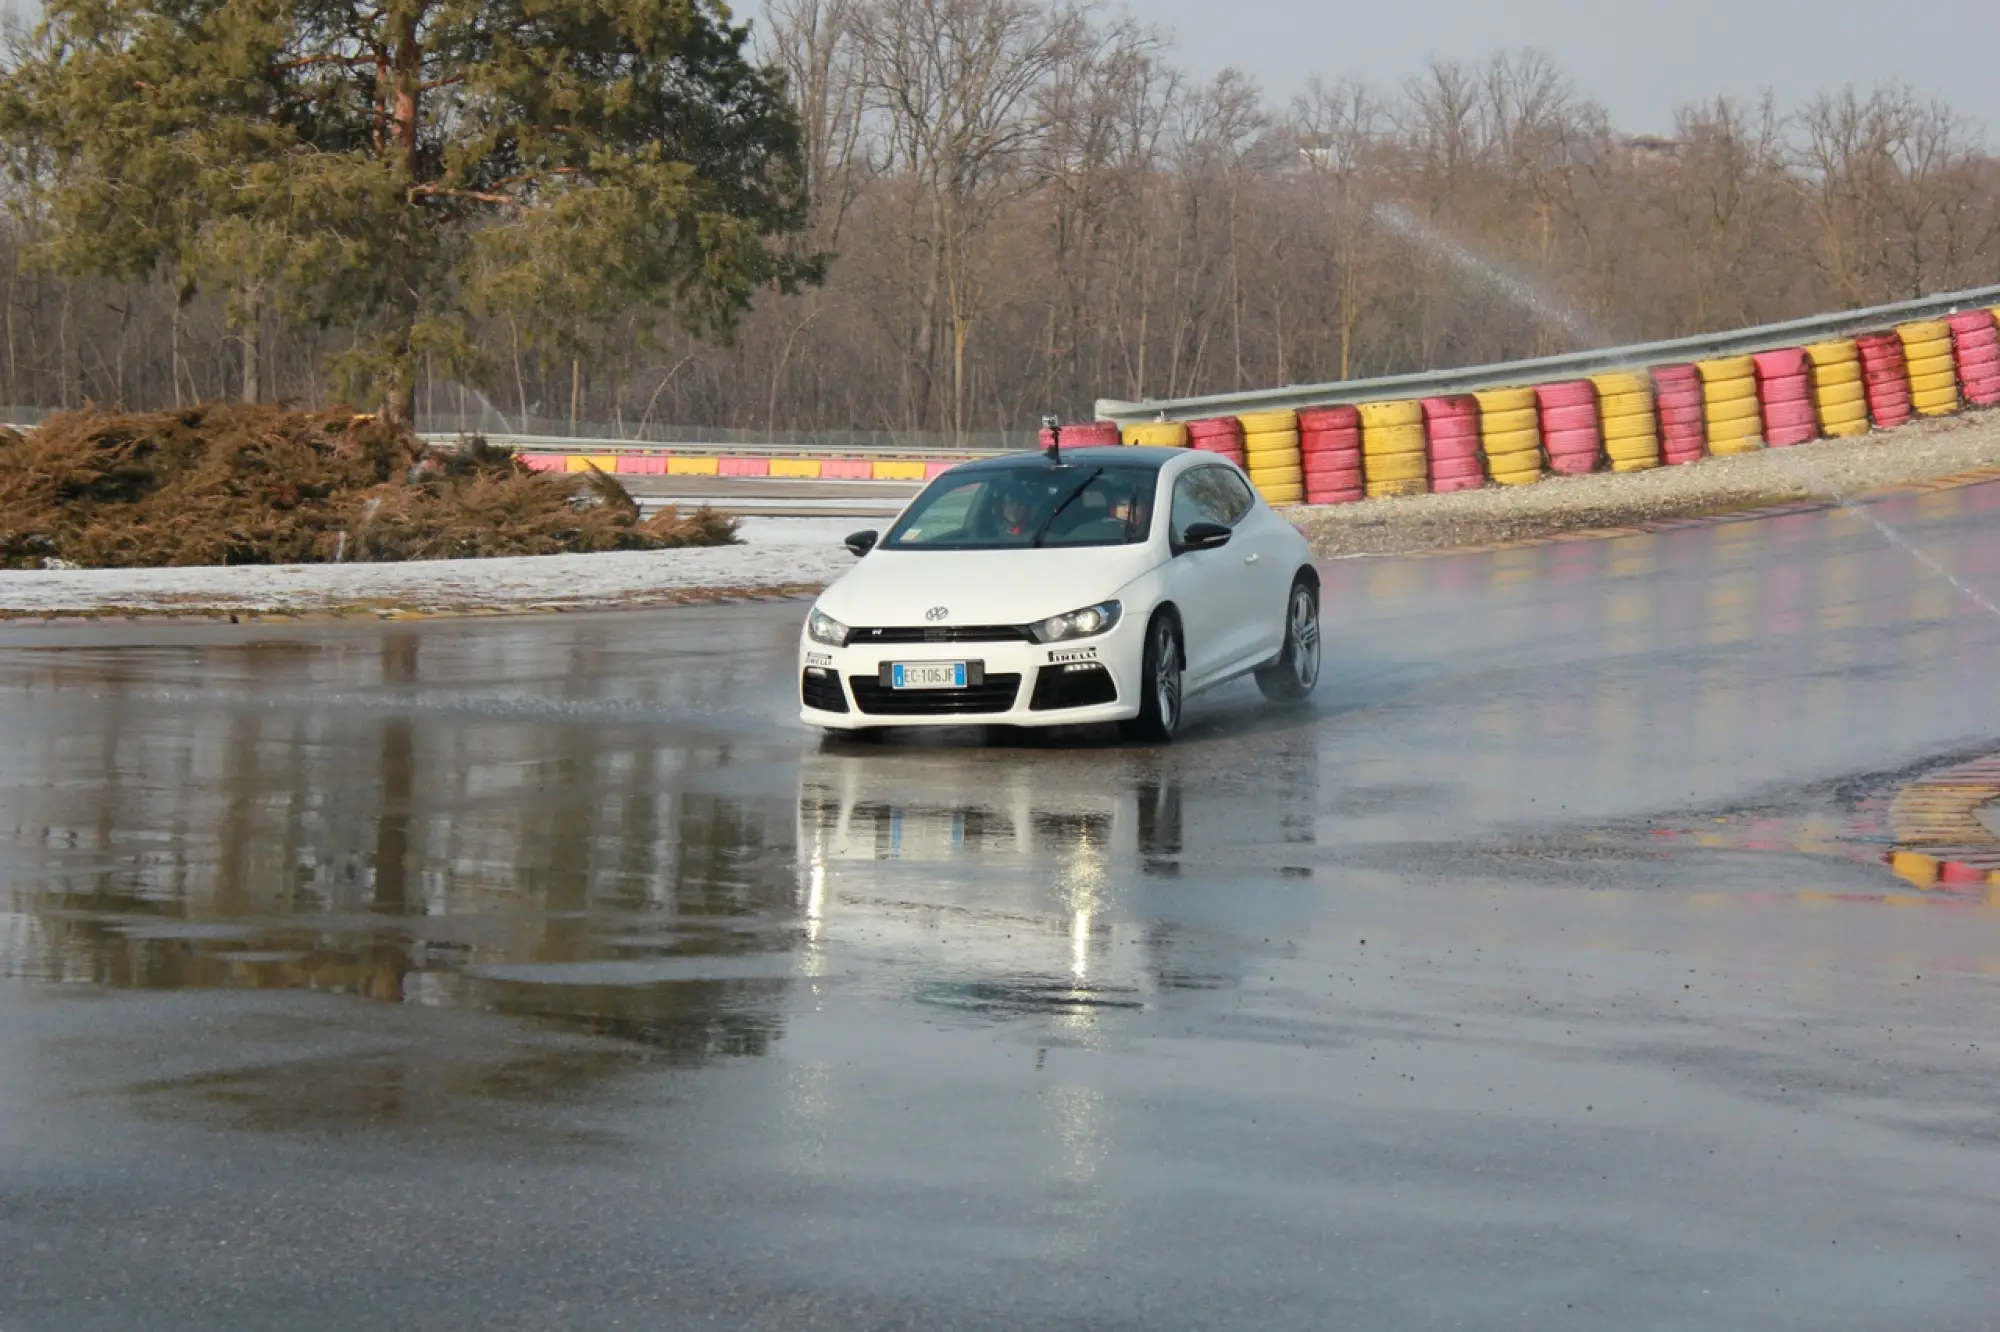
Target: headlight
823,628
1077,623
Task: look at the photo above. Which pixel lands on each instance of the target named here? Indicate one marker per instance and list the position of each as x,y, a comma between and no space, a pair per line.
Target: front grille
956,633
1076,686
996,694
820,688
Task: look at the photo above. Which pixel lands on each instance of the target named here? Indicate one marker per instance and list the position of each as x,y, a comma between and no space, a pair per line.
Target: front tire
1292,679
1160,685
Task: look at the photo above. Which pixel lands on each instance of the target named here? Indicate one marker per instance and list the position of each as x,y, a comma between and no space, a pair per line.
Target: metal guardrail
912,446
1765,337
858,443
591,444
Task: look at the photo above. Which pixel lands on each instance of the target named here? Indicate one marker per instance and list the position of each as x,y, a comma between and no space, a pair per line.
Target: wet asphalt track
546,974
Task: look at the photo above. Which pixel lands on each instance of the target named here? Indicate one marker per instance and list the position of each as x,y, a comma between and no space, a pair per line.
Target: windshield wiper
1056,512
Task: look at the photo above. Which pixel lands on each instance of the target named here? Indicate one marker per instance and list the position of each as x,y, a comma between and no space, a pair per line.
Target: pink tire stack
1570,432
1887,379
1784,394
1451,436
1975,343
1330,451
1683,430
1222,436
1087,435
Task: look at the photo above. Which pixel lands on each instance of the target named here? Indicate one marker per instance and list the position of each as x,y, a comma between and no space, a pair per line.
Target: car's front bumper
1009,683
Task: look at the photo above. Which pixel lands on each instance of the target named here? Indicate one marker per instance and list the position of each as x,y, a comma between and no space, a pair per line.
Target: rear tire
1296,673
1160,681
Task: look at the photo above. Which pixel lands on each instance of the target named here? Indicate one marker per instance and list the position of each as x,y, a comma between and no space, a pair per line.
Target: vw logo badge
936,613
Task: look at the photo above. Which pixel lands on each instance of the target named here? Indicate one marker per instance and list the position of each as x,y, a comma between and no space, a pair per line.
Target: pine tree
398,167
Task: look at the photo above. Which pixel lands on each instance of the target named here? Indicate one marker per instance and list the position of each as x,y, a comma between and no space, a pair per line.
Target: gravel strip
1826,470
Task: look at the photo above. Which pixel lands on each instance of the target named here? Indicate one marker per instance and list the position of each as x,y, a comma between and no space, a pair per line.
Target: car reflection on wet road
545,972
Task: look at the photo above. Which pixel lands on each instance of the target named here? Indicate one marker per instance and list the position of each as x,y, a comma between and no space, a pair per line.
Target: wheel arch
1171,611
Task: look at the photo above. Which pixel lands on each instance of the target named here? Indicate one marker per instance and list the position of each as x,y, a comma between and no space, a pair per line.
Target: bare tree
1340,130
956,82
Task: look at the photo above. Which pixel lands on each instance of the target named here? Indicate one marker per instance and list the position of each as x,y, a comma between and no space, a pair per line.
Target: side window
1206,495
1241,501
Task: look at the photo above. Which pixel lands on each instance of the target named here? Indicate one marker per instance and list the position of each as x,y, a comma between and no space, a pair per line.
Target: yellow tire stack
1631,423
1164,434
1729,403
1510,434
1839,394
1933,368
1392,449
1271,456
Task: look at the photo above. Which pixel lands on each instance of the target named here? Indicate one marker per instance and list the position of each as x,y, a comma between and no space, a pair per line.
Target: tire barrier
1884,378
1683,428
1632,419
1631,422
1510,435
1927,360
1729,407
1330,450
1160,434
1784,394
1086,435
1571,433
1975,342
1451,435
1839,395
1222,435
1271,455
1393,459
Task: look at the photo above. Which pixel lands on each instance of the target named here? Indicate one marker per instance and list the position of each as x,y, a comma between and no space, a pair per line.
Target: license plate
927,675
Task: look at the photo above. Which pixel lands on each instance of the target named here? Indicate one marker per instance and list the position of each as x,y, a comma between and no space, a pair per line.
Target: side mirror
862,542
1204,536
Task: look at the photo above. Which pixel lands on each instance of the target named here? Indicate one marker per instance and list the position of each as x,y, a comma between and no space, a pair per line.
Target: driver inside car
1014,512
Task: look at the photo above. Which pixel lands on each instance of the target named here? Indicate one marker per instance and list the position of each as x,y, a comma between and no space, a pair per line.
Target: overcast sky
1639,60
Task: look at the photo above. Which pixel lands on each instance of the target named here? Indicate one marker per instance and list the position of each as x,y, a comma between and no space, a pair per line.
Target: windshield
1080,504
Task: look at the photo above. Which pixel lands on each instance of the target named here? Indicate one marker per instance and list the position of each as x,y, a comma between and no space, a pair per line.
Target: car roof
1142,457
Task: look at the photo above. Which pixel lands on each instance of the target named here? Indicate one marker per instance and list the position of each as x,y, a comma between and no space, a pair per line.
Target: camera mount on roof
1054,451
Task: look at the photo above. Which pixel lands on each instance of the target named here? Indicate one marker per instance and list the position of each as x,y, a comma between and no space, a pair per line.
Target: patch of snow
775,552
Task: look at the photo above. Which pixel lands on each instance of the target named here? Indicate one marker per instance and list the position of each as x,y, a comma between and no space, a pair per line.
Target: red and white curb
1940,841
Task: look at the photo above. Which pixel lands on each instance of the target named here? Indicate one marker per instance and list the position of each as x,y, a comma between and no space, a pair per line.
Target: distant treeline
1028,206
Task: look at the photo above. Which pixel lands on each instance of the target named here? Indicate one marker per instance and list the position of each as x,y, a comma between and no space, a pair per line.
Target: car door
1266,547
1209,586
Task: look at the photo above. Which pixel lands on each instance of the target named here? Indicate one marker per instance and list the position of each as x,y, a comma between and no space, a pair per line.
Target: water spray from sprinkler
1491,273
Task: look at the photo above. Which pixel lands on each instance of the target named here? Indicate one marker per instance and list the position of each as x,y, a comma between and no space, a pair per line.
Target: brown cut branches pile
226,484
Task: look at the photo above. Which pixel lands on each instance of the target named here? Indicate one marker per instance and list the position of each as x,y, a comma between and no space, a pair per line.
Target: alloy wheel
1167,675
1305,637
